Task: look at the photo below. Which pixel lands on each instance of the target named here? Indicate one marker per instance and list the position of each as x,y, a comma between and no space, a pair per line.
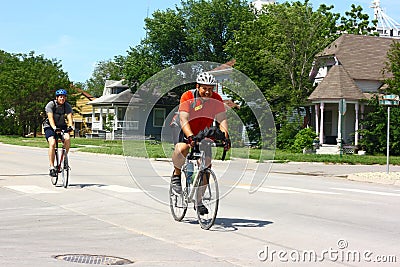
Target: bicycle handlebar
216,143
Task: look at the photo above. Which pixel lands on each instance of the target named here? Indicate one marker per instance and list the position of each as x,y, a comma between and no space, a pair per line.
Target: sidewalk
365,173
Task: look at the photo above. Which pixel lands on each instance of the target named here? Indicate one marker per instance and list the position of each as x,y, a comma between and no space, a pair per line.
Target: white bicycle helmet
206,78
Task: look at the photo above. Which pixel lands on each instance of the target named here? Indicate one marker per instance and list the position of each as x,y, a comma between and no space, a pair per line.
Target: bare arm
51,120
223,123
184,120
69,119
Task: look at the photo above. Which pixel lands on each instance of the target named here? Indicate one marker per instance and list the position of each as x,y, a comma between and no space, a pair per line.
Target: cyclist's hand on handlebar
191,140
70,129
227,144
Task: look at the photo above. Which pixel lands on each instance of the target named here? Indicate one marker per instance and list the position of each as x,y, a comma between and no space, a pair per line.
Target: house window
121,113
158,117
117,90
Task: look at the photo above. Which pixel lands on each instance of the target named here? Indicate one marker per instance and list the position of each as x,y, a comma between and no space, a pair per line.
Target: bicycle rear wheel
207,194
54,179
178,202
65,170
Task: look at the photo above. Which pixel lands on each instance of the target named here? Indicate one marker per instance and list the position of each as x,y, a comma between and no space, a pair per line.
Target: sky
81,33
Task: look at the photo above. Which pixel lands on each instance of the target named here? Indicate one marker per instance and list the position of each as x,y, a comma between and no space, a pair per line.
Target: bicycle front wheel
207,194
177,202
54,179
65,170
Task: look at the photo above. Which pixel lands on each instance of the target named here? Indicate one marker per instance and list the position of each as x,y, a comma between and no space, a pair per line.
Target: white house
347,72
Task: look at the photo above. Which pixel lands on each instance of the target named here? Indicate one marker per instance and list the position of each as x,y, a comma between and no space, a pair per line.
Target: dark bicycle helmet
61,92
206,78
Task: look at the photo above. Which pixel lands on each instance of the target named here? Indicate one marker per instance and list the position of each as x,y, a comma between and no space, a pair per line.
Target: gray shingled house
110,116
347,73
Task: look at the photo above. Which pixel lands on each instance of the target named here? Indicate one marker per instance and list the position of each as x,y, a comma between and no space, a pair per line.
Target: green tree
104,70
277,51
356,22
141,63
392,69
374,129
199,30
27,83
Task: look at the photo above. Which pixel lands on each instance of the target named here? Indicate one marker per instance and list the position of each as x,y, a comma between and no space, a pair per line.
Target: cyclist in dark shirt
59,116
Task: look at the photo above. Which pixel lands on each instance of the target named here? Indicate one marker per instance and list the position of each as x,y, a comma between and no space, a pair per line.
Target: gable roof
362,56
85,94
122,98
337,85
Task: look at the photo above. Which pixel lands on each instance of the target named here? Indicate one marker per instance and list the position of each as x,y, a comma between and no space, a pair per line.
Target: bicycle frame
60,139
199,157
201,187
61,160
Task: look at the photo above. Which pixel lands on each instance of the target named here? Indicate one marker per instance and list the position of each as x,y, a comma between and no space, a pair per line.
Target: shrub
303,139
286,135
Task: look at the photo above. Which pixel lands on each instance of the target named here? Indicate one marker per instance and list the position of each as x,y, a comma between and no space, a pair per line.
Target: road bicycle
199,186
61,160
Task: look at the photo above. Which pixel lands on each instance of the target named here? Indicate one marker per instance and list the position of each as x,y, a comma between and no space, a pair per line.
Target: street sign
390,100
387,102
391,97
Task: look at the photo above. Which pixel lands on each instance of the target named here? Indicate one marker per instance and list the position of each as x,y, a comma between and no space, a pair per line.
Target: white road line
267,190
31,189
121,189
302,190
161,186
368,192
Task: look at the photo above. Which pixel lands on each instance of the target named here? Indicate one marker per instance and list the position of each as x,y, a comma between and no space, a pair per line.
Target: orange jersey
201,113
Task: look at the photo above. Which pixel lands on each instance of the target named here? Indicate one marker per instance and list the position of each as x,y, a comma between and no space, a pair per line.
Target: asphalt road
307,214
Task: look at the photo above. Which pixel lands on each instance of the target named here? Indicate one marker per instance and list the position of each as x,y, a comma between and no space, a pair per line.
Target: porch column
108,112
115,122
93,116
339,133
101,119
316,119
321,129
115,127
356,126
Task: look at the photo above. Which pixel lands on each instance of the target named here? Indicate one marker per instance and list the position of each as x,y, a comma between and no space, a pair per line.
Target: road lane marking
302,190
31,189
267,190
368,192
161,185
121,189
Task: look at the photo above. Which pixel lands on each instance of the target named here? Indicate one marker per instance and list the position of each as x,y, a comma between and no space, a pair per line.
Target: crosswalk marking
31,189
121,189
368,192
34,189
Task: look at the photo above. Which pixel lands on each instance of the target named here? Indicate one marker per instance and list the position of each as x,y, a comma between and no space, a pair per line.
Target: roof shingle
337,85
362,56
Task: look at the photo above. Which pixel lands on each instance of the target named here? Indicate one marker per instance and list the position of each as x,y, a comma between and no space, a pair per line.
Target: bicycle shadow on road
82,186
234,224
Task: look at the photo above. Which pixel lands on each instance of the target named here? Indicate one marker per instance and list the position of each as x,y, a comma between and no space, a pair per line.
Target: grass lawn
151,149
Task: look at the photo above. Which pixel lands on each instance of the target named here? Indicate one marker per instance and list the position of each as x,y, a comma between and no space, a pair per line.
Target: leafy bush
374,129
286,135
303,139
